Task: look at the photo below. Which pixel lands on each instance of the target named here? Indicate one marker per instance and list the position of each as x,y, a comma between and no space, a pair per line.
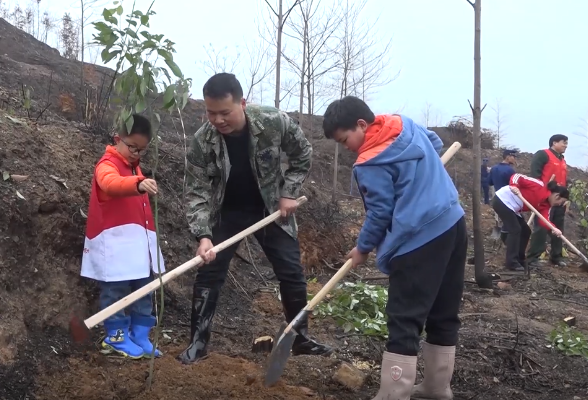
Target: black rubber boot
293,301
517,267
203,308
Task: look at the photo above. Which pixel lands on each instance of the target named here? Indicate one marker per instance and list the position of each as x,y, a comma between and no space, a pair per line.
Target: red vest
555,166
120,233
119,210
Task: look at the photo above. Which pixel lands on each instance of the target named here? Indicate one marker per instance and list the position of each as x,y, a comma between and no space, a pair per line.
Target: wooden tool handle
532,217
549,224
530,221
174,273
450,152
329,286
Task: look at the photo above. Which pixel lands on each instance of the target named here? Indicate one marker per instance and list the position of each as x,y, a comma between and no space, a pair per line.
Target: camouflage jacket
208,167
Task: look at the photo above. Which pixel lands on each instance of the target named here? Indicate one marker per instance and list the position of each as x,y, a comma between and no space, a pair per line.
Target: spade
286,335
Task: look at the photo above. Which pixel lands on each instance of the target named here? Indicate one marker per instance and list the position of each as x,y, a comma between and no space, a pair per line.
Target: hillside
49,161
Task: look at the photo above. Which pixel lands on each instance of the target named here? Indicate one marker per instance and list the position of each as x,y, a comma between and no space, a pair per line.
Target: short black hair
561,190
557,138
344,114
141,126
222,85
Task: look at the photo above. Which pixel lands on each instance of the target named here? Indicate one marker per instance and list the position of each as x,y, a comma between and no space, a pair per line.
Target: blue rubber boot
140,327
117,340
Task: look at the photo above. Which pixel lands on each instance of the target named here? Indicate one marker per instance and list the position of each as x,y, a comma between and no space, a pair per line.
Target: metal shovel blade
495,233
279,356
78,330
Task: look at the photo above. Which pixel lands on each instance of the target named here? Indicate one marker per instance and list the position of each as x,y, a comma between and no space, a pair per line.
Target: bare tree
93,52
260,67
69,37
427,114
218,60
86,7
499,123
431,116
280,22
313,25
363,61
482,279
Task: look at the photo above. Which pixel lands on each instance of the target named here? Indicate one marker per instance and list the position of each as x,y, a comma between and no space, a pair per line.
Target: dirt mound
217,377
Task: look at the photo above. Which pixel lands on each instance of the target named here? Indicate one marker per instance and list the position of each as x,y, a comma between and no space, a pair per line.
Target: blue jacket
500,175
408,196
484,171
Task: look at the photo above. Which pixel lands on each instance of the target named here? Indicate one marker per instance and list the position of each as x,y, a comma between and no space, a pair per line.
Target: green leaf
119,10
184,99
131,33
108,56
165,54
143,86
102,27
140,106
108,17
129,122
145,20
168,96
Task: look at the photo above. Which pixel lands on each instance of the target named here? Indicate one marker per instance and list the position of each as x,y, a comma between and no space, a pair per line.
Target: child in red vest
120,248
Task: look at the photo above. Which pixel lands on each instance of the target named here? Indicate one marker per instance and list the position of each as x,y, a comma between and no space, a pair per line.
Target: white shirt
509,199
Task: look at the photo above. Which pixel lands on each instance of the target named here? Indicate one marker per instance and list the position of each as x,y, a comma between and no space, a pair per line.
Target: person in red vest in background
120,249
546,164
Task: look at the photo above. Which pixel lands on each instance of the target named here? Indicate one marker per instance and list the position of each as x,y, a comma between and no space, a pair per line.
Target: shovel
80,330
495,232
285,337
584,266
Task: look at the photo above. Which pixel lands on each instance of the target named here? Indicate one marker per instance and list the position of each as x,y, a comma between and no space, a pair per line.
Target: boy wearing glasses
120,248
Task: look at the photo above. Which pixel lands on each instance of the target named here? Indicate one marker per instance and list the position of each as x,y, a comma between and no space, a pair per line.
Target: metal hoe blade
279,356
495,232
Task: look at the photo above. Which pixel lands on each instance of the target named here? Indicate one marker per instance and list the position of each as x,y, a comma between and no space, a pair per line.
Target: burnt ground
503,347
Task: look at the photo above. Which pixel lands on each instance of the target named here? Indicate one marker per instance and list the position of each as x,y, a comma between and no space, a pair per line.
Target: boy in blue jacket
416,225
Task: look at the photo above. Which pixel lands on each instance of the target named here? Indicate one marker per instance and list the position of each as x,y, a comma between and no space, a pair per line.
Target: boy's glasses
135,149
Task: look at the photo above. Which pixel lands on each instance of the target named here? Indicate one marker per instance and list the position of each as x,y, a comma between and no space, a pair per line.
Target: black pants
538,238
281,249
518,233
486,191
426,286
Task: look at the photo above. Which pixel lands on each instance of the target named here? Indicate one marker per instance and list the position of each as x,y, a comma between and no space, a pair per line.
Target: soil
503,349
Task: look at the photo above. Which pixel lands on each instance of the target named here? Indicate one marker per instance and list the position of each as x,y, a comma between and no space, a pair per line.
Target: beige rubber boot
439,363
397,377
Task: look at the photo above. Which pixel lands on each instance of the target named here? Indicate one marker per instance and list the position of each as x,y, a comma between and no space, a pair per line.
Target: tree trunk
335,173
279,54
482,279
302,75
83,48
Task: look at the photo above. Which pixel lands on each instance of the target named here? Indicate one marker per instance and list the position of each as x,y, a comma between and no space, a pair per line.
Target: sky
533,58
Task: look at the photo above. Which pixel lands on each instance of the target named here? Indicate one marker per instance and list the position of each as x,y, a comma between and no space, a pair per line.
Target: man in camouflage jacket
234,179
